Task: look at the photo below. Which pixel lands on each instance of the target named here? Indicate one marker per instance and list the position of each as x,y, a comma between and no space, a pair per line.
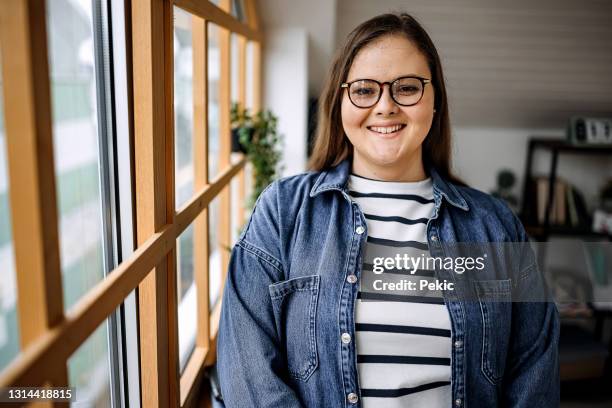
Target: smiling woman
300,279
387,135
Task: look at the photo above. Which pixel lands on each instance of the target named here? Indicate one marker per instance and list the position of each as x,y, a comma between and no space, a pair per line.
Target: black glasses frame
424,81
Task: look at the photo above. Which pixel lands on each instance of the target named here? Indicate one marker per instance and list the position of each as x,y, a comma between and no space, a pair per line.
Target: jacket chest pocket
295,309
495,299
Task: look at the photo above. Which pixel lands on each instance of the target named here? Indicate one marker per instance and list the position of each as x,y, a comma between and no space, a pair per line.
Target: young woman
305,322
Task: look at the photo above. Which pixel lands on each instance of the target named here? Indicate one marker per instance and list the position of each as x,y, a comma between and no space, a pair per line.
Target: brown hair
331,145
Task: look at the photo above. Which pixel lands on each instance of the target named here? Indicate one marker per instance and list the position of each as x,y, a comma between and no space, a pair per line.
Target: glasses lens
364,93
407,91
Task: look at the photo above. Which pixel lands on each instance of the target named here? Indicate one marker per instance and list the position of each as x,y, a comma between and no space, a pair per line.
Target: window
214,75
184,178
76,94
89,371
90,327
9,330
75,138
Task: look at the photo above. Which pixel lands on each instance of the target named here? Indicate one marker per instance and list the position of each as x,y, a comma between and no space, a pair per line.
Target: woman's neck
412,170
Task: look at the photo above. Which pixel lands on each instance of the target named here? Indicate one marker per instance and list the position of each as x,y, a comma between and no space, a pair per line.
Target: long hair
331,145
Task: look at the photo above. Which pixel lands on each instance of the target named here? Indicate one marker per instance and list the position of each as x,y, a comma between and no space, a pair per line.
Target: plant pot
237,147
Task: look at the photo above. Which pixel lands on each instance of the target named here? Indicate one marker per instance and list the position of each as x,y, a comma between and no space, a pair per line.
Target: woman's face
397,153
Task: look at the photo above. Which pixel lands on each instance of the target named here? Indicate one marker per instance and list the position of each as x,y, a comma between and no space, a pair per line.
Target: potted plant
259,140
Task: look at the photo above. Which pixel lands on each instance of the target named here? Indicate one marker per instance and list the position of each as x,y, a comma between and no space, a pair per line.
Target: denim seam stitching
486,369
289,291
305,373
260,254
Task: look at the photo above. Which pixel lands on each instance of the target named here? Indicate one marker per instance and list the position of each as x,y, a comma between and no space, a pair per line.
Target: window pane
236,207
234,59
73,92
77,168
184,171
88,371
214,262
250,70
183,106
214,69
187,295
238,10
9,329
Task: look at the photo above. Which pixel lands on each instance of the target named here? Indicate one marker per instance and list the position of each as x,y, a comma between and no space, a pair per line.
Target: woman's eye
363,91
408,89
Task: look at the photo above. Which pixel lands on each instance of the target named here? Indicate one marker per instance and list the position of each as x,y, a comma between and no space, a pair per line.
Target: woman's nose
386,105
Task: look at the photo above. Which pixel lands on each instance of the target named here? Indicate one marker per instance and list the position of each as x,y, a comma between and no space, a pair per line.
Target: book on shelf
558,208
566,209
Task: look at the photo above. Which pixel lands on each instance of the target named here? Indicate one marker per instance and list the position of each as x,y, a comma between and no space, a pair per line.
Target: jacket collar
336,178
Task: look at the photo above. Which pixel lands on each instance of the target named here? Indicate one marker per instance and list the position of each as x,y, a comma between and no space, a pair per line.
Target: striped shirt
403,338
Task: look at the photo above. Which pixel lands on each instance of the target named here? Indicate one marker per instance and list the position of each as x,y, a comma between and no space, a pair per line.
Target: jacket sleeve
532,374
250,362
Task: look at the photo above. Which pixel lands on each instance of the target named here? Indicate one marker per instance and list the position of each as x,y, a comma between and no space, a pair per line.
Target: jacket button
346,338
351,278
458,344
458,402
360,230
352,398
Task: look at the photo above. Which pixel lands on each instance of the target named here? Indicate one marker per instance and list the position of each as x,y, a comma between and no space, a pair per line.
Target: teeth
386,129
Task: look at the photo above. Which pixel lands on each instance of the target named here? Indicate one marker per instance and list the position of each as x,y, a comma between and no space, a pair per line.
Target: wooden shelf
562,145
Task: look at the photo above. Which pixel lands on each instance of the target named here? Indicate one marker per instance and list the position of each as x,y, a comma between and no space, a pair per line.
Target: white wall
513,71
493,55
519,64
299,42
317,18
286,91
479,153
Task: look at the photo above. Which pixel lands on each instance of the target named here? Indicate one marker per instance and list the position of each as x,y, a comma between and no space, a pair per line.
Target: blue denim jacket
287,301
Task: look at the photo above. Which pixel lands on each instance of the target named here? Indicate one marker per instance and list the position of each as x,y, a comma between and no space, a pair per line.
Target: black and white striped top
403,338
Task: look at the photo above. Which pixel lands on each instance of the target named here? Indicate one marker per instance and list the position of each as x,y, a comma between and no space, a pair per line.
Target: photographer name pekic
404,284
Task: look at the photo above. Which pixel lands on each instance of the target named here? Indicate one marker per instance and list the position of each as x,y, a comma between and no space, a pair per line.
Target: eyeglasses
405,91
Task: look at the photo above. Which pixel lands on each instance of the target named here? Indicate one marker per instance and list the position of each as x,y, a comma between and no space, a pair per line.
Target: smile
385,130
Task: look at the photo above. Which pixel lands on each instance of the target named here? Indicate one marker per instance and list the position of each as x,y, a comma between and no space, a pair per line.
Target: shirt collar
336,178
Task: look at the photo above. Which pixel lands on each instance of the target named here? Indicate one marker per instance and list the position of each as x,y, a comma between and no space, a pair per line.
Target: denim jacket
287,301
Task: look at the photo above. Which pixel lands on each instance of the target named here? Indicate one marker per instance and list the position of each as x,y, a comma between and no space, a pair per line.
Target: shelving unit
581,352
556,147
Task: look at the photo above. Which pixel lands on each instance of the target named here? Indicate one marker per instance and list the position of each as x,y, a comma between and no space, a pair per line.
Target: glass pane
250,70
183,115
183,106
214,68
214,262
88,371
9,329
238,10
73,92
234,59
235,208
187,295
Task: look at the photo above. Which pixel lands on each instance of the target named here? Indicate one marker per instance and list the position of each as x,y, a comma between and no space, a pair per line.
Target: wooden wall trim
252,16
210,12
31,170
200,160
31,166
152,30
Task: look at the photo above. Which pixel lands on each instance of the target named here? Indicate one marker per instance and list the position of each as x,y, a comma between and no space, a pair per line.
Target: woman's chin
387,157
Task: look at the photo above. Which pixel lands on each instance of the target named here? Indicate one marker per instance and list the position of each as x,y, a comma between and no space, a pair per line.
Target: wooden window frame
48,334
